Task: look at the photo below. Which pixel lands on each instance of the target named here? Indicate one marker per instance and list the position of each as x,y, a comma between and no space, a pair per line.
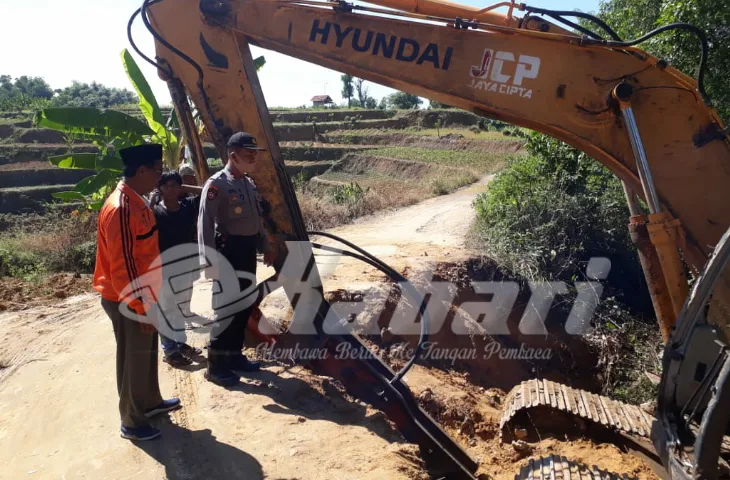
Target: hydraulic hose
558,14
616,41
145,5
375,262
134,45
704,45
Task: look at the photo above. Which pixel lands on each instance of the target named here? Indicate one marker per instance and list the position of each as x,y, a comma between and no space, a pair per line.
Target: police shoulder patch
212,192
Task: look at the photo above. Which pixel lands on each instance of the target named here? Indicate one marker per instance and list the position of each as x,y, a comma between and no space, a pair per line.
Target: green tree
94,95
546,214
403,101
362,92
25,93
370,102
347,87
633,18
34,86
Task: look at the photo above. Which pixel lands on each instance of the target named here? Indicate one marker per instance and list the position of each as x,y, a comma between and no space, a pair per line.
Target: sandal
190,350
177,359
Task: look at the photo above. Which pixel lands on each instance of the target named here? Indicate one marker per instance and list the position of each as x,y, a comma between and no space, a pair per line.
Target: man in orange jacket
126,247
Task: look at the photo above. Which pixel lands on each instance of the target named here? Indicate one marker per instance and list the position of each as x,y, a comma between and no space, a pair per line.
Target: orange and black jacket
126,247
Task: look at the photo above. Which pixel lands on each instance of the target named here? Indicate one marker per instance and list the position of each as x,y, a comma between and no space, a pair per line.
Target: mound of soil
41,136
460,341
6,131
470,414
17,294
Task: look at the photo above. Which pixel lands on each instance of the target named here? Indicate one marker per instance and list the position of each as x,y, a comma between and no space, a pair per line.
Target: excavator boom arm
553,83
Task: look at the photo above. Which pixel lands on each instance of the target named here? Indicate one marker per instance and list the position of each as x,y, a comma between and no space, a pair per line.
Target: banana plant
172,146
109,131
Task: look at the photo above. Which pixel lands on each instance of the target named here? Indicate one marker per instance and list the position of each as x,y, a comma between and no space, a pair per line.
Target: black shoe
239,363
218,371
222,379
190,351
166,406
140,433
177,359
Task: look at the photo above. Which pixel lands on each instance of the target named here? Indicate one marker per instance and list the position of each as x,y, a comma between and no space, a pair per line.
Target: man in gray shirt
230,219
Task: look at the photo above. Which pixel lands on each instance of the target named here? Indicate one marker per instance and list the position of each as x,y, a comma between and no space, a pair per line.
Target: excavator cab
692,406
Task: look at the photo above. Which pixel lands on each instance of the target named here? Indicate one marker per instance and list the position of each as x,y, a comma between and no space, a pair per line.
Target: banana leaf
97,182
84,161
69,196
147,101
83,184
92,122
87,161
110,162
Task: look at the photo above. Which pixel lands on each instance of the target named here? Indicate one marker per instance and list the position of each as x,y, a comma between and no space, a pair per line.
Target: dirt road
58,401
58,397
437,222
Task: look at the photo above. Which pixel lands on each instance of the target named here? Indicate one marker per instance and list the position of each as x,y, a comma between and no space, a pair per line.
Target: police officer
230,218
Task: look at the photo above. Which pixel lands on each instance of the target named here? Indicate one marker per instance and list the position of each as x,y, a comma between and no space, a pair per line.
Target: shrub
300,180
544,217
351,194
320,211
77,258
32,245
20,264
546,214
449,183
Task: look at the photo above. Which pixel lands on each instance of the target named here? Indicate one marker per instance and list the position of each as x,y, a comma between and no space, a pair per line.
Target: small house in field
321,101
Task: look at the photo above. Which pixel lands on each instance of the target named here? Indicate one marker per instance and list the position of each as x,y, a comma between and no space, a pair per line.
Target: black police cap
139,155
244,140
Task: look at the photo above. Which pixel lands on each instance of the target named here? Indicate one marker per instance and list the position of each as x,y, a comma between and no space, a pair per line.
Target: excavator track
539,395
553,467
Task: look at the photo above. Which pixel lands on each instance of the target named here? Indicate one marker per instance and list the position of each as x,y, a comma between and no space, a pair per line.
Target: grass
484,162
39,188
318,109
446,185
333,123
321,211
33,245
474,135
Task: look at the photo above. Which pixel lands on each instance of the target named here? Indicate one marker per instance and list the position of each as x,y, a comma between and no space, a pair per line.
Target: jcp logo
499,72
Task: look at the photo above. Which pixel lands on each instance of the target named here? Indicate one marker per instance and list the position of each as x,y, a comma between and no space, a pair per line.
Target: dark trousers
137,383
177,314
241,253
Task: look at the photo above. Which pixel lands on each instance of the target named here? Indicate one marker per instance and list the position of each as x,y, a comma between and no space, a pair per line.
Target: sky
67,40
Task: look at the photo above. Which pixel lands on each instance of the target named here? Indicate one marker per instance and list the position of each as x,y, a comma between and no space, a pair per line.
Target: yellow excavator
566,74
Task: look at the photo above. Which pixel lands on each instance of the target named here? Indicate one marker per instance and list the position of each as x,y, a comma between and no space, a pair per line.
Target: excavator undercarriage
594,91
